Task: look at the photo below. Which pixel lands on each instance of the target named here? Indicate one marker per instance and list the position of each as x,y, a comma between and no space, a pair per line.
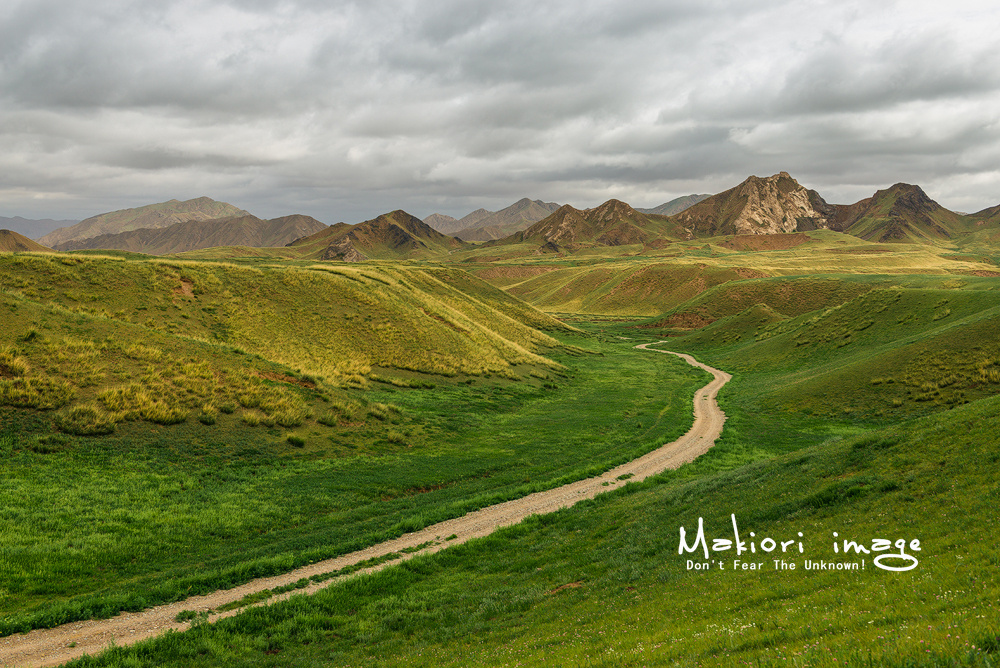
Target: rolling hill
11,241
391,236
987,216
163,214
248,231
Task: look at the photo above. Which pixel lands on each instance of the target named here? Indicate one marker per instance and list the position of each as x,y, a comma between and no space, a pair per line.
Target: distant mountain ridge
483,225
518,216
197,234
151,216
33,228
675,206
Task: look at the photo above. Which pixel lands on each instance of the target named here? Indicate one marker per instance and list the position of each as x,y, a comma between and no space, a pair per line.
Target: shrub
11,365
87,420
161,412
41,393
296,441
207,415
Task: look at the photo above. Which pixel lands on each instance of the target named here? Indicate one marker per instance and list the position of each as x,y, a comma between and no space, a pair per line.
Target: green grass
603,583
337,322
897,349
156,512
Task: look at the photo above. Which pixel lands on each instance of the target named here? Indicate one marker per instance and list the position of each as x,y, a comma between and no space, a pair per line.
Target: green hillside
904,213
154,442
337,322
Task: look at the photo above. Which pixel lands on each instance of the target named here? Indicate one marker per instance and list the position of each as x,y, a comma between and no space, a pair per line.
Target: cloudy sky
343,110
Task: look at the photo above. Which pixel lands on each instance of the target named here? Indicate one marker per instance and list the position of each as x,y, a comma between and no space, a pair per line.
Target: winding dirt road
50,647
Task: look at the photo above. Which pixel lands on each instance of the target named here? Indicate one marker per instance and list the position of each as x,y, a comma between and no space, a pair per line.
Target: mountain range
151,216
675,205
246,230
33,228
483,225
776,204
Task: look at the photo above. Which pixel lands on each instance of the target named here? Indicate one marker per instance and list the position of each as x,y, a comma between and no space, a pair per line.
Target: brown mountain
518,216
396,235
151,216
770,205
613,223
11,241
195,234
675,206
903,212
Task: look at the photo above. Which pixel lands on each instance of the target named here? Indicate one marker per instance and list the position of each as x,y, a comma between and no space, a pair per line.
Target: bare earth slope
49,647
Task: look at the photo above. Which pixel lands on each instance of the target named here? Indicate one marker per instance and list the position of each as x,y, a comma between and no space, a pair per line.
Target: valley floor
47,647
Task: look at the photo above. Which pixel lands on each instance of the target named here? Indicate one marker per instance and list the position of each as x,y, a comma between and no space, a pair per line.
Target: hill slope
11,241
903,212
163,214
391,236
196,234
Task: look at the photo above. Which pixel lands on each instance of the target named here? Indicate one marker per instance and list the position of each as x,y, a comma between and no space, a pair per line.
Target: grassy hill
336,322
902,213
646,281
161,448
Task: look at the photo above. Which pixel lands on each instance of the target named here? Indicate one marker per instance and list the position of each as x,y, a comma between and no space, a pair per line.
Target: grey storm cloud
343,110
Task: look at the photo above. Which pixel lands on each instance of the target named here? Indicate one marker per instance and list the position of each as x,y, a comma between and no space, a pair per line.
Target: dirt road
50,647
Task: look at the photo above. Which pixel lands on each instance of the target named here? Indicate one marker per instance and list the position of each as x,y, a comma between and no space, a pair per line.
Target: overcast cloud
343,110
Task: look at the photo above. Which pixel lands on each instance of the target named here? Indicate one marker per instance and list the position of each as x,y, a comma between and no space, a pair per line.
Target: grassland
637,281
602,584
138,473
863,402
334,322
